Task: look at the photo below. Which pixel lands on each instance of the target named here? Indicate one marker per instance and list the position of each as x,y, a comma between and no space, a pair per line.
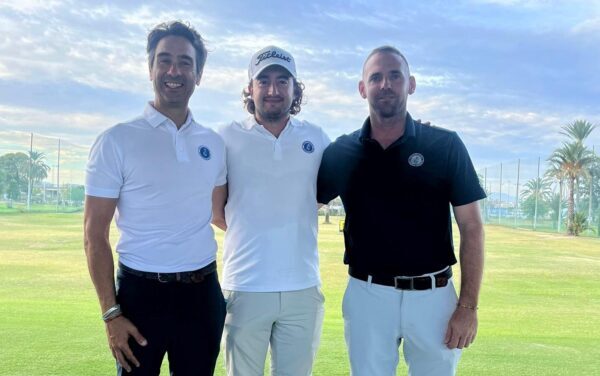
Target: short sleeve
326,182
222,175
103,173
464,182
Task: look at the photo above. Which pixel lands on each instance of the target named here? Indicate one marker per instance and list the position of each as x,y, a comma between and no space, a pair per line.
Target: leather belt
406,283
195,276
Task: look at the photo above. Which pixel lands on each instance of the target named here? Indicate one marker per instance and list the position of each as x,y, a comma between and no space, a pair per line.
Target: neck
387,130
178,115
275,126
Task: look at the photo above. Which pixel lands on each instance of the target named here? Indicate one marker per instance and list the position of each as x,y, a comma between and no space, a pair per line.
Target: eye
262,82
283,82
395,76
375,78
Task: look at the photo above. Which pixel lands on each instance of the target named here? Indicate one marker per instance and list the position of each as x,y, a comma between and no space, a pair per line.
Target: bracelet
111,313
472,308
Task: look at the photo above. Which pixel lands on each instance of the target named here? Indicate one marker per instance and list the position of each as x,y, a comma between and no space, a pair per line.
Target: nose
173,70
386,83
272,89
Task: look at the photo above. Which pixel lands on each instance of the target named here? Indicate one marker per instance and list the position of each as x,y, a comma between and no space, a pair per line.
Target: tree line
576,170
18,171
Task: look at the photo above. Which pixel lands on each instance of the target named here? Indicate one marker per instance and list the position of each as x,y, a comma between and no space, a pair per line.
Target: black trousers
183,320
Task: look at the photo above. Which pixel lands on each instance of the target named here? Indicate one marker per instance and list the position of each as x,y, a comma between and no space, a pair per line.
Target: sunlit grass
538,316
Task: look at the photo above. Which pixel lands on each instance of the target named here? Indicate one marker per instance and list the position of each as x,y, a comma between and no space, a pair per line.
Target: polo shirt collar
250,122
409,131
155,118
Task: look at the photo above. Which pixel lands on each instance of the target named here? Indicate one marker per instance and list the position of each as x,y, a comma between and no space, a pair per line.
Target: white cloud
590,26
64,124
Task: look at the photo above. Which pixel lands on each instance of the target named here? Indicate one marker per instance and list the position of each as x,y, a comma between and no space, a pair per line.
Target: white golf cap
268,56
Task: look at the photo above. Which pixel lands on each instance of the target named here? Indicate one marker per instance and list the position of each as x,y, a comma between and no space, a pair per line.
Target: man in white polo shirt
270,262
158,172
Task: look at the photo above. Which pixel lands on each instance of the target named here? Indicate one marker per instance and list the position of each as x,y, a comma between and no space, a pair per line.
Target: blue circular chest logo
308,147
204,152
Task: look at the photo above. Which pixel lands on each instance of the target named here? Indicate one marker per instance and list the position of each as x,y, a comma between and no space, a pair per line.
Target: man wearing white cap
271,270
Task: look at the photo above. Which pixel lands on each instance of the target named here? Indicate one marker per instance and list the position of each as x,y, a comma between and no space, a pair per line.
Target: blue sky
506,75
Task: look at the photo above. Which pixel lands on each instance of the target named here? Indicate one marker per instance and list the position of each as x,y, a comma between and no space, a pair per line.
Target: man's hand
427,123
118,331
462,328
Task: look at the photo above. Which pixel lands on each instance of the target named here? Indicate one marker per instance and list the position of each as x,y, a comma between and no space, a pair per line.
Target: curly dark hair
296,102
179,29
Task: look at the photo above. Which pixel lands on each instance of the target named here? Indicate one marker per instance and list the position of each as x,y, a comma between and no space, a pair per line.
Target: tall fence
521,193
524,193
41,173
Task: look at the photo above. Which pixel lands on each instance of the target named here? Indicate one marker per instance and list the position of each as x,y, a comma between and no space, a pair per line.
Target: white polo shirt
271,213
163,178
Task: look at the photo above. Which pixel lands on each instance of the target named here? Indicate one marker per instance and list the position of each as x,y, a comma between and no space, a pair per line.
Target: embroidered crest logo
204,152
416,159
308,147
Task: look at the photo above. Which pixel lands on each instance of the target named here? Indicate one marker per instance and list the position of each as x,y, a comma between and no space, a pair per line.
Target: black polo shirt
397,200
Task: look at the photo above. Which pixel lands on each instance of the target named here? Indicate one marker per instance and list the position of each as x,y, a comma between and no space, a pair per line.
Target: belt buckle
411,285
161,280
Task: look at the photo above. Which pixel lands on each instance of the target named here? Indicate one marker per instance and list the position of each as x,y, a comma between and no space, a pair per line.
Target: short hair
386,50
296,102
179,29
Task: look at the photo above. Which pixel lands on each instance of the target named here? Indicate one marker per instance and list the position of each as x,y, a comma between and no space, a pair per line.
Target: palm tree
556,172
39,168
578,130
536,195
573,159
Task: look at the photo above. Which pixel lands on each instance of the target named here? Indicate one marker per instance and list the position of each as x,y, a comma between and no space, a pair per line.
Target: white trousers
290,322
377,319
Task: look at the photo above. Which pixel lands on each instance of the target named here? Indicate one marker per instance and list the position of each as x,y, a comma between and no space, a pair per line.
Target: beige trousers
288,322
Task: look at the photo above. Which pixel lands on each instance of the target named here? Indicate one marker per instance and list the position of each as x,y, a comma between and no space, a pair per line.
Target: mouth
273,100
173,85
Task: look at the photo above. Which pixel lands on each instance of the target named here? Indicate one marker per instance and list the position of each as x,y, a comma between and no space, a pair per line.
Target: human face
272,92
173,73
386,84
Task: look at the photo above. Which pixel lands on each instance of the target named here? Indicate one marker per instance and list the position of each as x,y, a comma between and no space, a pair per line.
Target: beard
273,113
390,106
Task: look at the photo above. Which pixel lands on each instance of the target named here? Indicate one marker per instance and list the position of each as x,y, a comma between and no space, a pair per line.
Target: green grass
538,315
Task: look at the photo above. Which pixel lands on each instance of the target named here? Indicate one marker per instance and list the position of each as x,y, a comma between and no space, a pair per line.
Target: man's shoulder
305,124
435,130
434,134
348,139
121,131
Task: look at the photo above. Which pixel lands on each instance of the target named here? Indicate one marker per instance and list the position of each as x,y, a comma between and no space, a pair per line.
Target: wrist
467,306
112,313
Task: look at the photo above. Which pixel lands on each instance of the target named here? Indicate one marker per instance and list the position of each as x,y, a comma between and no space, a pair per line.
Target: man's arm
462,327
219,199
97,218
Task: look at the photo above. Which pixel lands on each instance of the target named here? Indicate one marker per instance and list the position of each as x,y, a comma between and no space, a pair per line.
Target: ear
198,79
361,89
412,85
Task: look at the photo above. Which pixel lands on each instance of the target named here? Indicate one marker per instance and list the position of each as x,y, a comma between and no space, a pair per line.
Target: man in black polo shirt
397,179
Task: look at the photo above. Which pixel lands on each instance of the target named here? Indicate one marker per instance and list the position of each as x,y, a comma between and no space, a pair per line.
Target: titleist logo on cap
271,54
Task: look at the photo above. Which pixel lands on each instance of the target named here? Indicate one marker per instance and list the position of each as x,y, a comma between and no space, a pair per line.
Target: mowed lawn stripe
538,315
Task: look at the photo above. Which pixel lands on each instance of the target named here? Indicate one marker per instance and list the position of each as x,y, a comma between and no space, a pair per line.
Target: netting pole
58,177
500,199
486,198
517,194
537,193
30,182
